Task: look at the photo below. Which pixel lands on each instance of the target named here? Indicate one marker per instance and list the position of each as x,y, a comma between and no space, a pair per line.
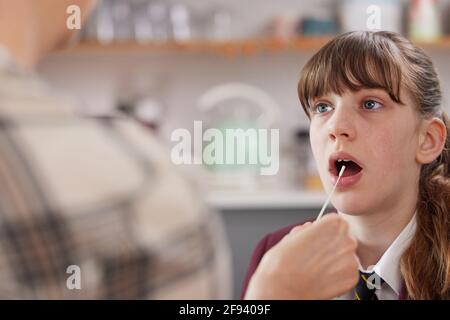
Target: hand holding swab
331,194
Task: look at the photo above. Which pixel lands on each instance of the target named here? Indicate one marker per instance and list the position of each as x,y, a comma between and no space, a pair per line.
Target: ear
431,140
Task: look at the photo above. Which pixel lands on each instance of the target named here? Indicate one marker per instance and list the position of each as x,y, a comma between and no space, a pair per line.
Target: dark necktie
367,285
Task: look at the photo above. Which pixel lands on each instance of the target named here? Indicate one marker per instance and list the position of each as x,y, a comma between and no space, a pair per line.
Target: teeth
339,160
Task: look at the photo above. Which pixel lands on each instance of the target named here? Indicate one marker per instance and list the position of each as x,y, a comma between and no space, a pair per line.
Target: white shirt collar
388,267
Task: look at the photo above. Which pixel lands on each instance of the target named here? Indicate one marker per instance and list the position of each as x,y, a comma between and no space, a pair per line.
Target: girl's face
378,135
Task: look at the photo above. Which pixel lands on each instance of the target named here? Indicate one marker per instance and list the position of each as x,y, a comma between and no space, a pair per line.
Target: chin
350,204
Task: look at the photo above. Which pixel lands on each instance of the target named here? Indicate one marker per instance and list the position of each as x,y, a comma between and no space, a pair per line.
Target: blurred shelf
227,48
266,200
443,43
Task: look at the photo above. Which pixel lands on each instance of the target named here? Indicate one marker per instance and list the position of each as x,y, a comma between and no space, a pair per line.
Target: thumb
301,227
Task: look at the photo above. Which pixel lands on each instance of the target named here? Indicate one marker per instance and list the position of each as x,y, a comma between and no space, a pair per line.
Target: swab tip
342,171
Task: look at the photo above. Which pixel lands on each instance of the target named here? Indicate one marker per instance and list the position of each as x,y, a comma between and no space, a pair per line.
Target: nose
341,125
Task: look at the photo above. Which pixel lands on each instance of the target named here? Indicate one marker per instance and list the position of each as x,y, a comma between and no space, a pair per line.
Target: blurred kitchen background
168,63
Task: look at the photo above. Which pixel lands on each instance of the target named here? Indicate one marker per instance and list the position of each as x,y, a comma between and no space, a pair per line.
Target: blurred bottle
142,24
123,20
158,12
181,24
446,22
301,154
307,167
424,20
319,21
100,25
283,26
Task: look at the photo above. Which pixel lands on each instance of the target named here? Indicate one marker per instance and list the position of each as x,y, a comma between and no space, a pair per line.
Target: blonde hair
388,61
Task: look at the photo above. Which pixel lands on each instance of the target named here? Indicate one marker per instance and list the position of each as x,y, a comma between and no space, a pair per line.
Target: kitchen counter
266,200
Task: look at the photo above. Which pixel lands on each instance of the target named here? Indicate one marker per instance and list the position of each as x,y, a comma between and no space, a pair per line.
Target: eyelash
314,109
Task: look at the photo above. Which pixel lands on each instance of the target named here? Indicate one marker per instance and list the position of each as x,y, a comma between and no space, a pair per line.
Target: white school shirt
388,267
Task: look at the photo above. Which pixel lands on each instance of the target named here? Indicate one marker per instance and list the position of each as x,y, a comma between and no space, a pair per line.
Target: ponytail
425,265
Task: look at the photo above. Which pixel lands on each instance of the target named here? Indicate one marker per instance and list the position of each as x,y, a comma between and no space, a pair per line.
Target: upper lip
340,155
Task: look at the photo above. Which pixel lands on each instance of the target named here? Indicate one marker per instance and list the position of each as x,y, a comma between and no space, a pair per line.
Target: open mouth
351,167
340,159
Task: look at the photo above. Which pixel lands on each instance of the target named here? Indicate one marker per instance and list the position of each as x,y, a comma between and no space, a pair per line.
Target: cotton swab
331,194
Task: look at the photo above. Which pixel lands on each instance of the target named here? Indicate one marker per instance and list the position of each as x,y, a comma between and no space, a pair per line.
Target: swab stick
331,194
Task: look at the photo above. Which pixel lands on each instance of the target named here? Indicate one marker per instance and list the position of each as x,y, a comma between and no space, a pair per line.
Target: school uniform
391,286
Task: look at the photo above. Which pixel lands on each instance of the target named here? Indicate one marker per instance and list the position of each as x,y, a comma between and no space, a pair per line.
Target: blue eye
321,108
372,105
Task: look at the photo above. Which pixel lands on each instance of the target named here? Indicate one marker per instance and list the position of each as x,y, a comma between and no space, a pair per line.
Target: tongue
351,169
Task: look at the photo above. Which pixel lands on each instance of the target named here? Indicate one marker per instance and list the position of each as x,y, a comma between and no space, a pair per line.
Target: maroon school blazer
268,242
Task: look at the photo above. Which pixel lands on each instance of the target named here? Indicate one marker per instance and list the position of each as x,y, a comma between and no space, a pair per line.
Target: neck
21,32
376,231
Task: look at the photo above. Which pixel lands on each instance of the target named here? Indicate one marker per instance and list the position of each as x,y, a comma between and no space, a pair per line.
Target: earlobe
431,140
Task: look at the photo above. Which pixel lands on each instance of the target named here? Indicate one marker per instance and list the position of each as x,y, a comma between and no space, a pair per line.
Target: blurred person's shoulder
113,185
99,157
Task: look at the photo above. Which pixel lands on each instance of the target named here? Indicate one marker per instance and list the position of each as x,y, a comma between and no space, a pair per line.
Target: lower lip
346,182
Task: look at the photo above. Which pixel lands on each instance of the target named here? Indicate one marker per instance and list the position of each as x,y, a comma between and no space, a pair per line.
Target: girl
374,104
